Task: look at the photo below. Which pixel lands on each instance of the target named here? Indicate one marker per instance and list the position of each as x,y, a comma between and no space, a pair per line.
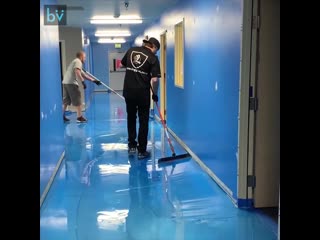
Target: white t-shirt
70,75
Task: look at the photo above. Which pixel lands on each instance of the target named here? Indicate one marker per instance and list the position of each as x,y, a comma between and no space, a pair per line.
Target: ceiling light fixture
112,20
112,34
111,40
115,21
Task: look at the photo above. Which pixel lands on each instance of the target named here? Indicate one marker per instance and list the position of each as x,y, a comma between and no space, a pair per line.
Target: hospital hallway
100,193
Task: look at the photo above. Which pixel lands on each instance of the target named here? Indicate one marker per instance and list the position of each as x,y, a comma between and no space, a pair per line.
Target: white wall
73,41
116,78
101,63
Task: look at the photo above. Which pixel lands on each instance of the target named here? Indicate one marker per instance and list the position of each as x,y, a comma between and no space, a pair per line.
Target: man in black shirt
142,72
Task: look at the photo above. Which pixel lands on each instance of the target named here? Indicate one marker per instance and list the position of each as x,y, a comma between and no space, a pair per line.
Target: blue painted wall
205,117
51,123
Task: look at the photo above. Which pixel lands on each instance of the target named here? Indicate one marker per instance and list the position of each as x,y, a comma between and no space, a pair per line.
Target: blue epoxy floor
101,193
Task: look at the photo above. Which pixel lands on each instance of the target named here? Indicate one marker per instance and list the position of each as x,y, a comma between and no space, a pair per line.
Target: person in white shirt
71,91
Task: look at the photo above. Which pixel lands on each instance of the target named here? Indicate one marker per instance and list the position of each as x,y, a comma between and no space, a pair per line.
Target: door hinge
253,103
251,181
256,22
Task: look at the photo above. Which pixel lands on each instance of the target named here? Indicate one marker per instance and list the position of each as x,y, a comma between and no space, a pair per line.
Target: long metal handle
166,130
103,84
112,90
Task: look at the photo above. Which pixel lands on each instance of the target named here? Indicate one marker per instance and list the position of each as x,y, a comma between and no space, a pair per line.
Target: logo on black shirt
138,59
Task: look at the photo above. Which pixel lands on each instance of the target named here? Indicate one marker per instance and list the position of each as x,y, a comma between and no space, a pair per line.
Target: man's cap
152,40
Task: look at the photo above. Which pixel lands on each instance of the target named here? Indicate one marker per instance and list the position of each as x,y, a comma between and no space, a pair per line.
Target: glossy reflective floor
101,193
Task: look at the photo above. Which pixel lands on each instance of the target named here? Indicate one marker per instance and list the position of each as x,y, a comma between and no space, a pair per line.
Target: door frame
62,49
163,80
250,181
248,57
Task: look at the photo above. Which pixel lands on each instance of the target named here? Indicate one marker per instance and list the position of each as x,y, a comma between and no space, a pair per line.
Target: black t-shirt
141,65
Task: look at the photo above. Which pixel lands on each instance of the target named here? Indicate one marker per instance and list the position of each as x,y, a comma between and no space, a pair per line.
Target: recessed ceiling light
115,21
112,20
112,34
111,40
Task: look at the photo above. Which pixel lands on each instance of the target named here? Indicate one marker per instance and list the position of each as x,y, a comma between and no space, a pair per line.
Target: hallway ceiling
79,13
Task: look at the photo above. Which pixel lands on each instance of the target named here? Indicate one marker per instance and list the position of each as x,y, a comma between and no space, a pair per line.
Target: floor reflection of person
140,222
75,151
75,160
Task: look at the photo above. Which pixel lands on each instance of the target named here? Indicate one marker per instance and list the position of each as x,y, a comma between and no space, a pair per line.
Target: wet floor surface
100,192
